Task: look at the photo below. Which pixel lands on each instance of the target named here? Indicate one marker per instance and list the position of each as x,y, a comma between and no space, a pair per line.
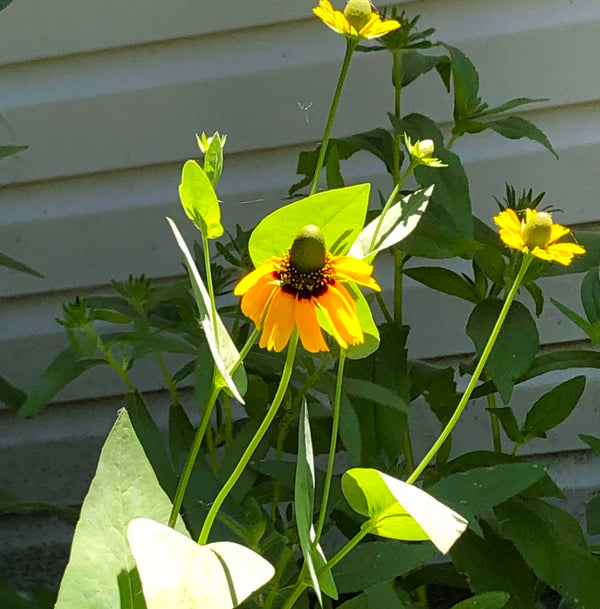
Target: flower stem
169,380
350,46
527,258
258,436
199,436
332,447
497,438
209,282
396,81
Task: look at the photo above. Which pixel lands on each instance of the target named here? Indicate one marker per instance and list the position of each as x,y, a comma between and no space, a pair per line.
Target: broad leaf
377,393
477,490
443,280
65,368
376,562
340,214
221,345
101,573
11,395
367,323
590,294
515,128
399,510
571,315
553,408
399,221
552,543
200,201
486,600
515,347
177,573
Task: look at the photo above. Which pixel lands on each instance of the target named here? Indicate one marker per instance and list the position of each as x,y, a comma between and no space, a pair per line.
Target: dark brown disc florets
305,284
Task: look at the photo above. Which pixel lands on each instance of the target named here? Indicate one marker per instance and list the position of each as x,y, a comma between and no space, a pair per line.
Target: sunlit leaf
398,222
221,345
401,511
200,201
340,214
178,573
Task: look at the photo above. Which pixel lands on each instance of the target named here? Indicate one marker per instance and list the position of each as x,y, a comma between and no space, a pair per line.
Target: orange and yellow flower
538,235
283,294
355,22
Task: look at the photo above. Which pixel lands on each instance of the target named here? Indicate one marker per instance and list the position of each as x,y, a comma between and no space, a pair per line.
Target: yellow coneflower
287,291
358,20
537,234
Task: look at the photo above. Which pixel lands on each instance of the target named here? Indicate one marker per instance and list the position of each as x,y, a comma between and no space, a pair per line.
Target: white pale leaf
178,573
399,221
443,525
214,334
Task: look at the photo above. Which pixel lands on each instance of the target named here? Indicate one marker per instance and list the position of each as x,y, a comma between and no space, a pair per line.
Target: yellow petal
341,311
308,326
557,231
279,322
256,300
512,239
347,268
252,278
376,27
508,220
562,253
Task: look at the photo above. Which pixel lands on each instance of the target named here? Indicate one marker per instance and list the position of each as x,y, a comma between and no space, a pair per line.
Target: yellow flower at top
357,21
537,235
286,292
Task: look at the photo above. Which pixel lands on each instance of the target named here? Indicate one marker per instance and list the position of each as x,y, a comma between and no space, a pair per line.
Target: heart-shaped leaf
400,510
178,573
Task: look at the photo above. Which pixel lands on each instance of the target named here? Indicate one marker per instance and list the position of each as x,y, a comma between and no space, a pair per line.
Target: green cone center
538,231
308,253
358,12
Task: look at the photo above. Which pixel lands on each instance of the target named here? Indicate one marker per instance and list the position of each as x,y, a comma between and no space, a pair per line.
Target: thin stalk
170,384
191,459
408,449
350,46
396,80
386,312
451,142
199,436
527,258
212,450
209,281
281,565
226,401
398,287
258,436
497,438
332,446
114,364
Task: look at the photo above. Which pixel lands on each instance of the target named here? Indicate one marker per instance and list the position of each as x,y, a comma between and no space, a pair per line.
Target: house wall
108,97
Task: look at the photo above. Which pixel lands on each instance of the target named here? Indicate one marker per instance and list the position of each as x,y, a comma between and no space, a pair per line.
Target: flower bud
308,252
537,231
358,13
425,148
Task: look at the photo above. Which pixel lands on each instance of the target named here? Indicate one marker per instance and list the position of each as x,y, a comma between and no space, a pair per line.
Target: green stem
386,312
451,142
396,81
350,46
114,364
199,436
212,450
192,455
281,565
209,282
258,436
497,438
226,401
332,446
527,258
170,384
408,449
398,286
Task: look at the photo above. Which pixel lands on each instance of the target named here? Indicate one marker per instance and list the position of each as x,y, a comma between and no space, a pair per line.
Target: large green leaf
101,573
200,201
552,543
11,395
466,83
65,368
15,265
367,323
397,223
515,128
177,573
340,214
486,600
552,408
474,491
221,345
377,393
379,561
304,501
399,510
515,348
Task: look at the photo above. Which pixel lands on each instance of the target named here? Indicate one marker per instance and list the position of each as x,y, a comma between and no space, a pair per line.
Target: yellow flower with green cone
538,235
289,291
358,20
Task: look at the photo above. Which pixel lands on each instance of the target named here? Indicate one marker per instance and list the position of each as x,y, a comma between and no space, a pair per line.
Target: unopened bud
426,148
308,252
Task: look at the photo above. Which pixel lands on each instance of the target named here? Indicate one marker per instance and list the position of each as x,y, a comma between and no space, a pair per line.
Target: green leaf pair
399,510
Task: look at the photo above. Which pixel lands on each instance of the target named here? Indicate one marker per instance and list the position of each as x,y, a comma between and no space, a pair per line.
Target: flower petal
332,18
347,268
254,277
557,231
512,239
340,310
308,326
279,321
376,27
256,300
508,220
562,253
